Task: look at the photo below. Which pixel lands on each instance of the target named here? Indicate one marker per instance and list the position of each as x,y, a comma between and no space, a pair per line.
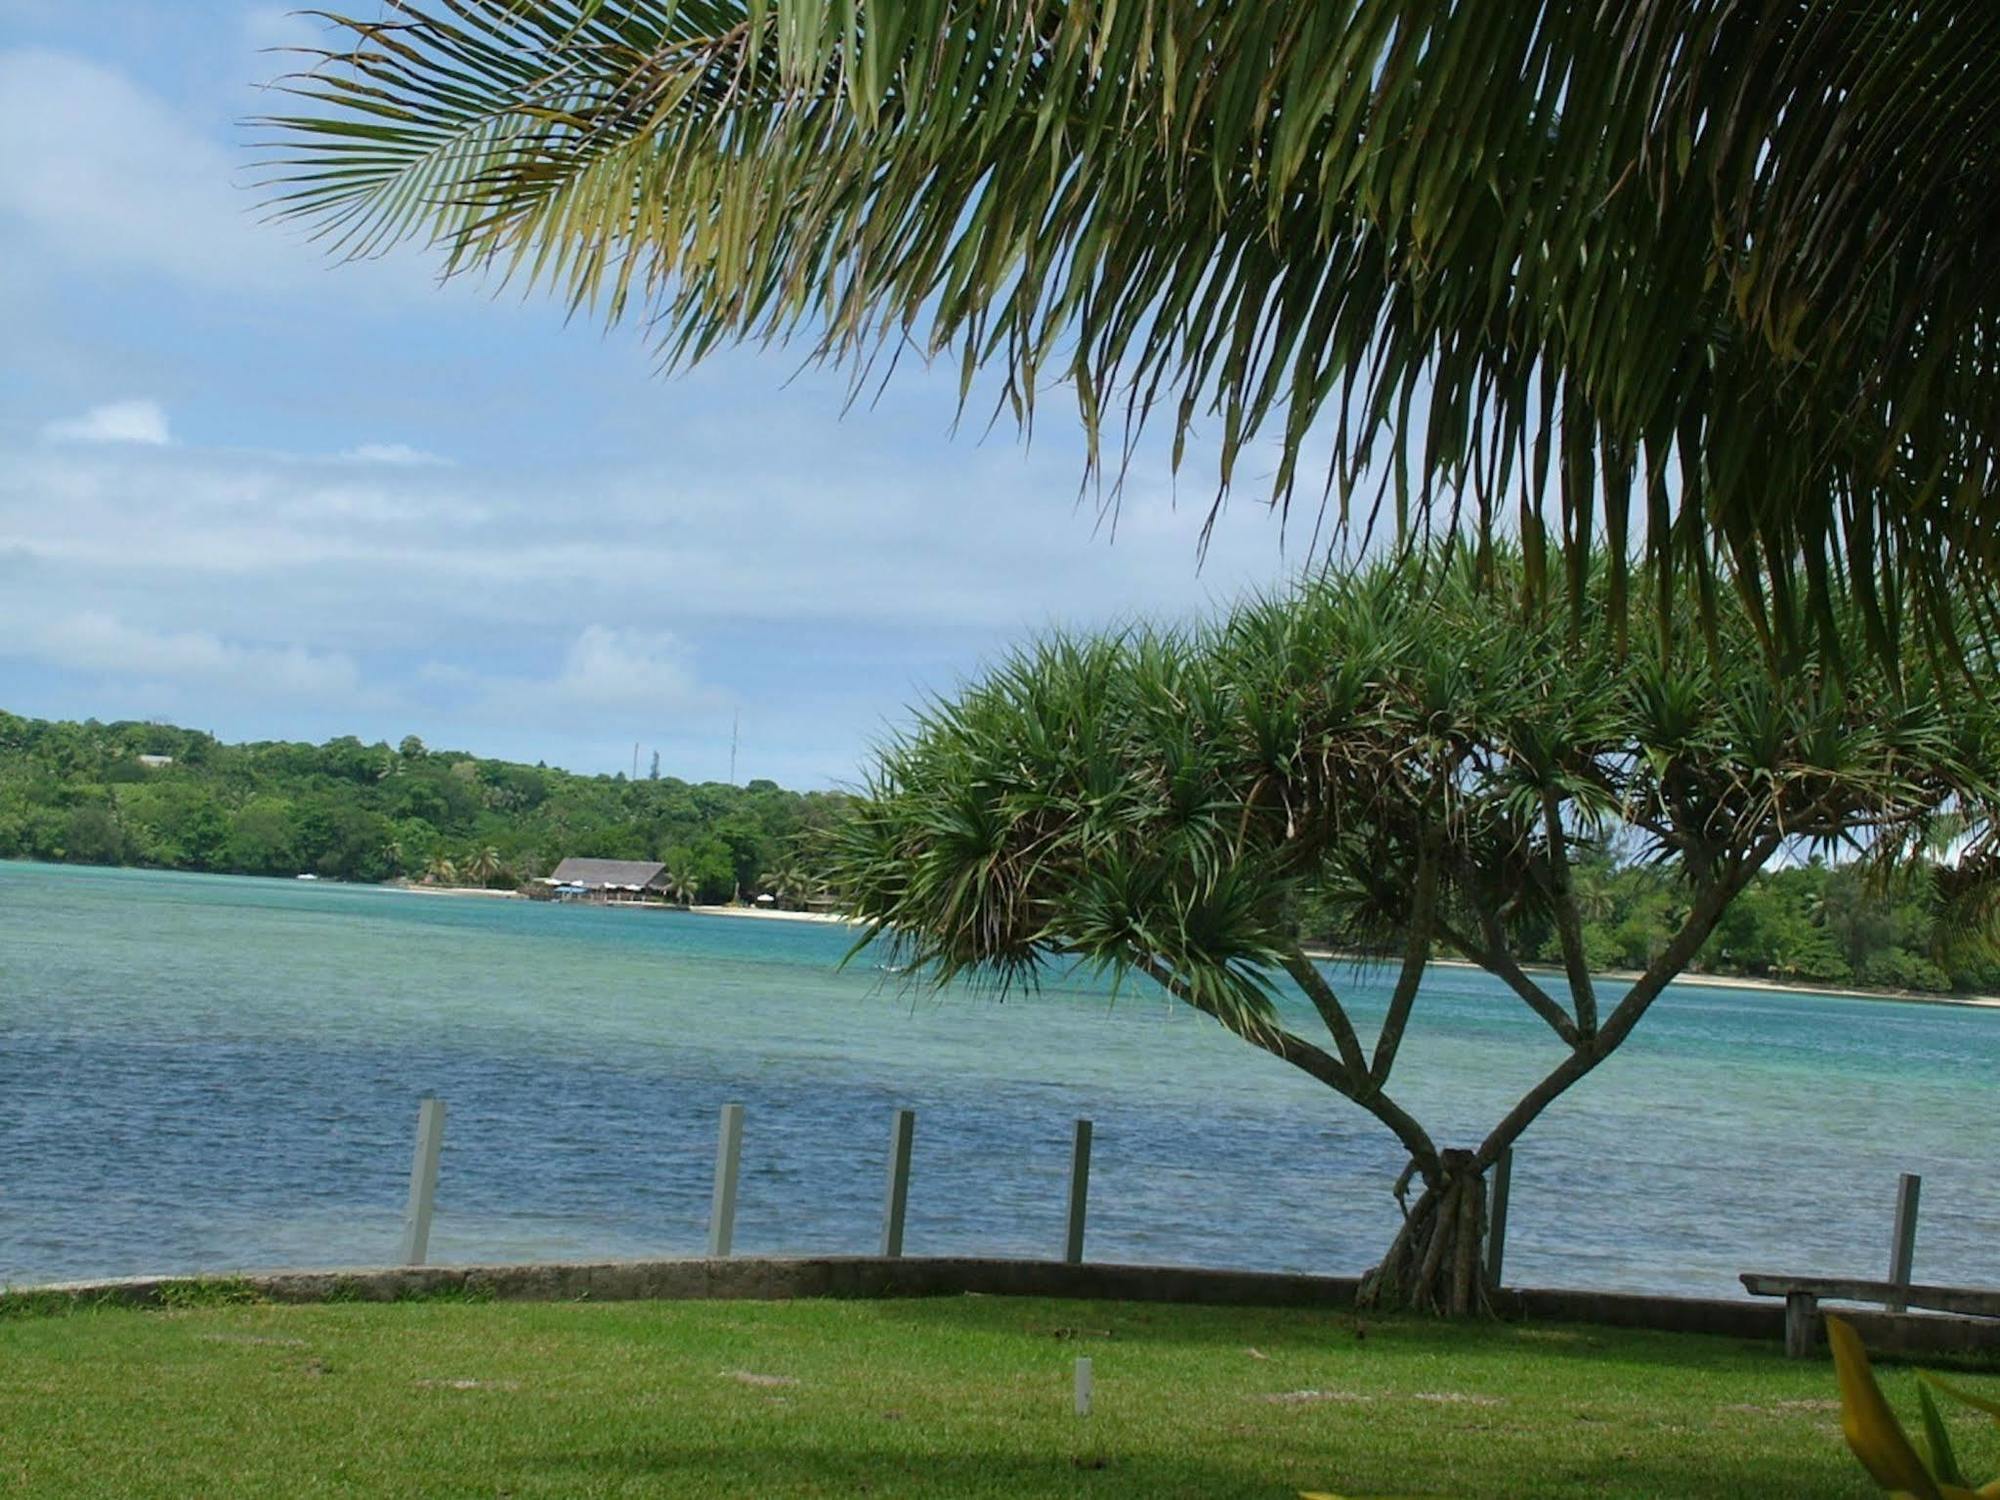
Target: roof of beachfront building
597,873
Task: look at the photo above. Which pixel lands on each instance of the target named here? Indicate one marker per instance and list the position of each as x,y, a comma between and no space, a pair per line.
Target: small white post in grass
1903,1251
1079,1193
423,1181
1083,1388
728,1161
902,1133
1496,1215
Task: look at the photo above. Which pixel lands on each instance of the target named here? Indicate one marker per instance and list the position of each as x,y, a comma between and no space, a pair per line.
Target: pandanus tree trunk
1437,1263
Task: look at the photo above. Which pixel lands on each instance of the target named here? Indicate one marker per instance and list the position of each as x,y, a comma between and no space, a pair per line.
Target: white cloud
397,454
102,171
95,641
610,668
105,170
651,549
608,677
550,611
334,508
115,422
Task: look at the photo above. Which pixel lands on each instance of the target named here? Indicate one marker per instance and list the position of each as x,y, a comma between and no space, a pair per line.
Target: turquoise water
215,1073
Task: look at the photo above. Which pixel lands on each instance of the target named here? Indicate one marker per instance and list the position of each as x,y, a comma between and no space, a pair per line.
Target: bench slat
1966,1301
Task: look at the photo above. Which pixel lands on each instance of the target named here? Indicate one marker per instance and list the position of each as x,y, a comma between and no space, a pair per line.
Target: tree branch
1495,959
1713,899
1319,1064
1569,927
1331,1011
1416,954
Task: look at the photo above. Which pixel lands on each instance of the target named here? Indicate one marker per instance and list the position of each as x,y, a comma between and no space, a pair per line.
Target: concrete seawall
861,1276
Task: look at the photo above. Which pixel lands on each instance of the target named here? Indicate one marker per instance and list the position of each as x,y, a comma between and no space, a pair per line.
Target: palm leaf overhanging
1708,280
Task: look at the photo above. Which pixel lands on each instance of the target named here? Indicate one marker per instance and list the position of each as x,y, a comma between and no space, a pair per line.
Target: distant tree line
81,793
1811,923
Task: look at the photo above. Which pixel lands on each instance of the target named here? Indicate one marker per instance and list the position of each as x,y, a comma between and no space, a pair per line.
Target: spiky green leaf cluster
1712,273
1154,800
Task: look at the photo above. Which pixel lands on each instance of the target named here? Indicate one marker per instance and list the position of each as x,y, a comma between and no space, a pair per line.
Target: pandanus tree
1712,277
1431,762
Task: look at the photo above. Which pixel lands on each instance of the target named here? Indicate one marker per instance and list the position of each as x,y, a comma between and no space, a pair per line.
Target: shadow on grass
746,1469
1318,1331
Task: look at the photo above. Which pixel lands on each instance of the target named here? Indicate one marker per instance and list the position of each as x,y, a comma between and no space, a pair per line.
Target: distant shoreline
1704,981
701,911
1743,982
452,890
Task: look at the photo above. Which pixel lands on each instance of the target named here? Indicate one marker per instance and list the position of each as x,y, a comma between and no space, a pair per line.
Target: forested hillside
346,810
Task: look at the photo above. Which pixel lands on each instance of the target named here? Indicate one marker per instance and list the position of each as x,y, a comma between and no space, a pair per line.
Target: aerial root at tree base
1437,1264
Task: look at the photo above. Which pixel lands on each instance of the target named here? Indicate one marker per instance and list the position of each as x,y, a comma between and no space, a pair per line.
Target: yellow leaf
1959,1393
1871,1428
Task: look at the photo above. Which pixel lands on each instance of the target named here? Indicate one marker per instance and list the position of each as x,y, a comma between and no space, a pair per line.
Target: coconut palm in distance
482,865
681,886
440,870
1707,279
1430,762
791,884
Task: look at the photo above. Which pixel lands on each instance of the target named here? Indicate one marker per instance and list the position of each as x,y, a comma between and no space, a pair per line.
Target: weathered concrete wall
783,1278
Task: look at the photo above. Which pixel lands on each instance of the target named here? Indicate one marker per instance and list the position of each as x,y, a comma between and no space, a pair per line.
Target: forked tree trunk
1437,1263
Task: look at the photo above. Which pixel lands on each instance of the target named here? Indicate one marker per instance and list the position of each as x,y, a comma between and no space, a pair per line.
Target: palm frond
1708,280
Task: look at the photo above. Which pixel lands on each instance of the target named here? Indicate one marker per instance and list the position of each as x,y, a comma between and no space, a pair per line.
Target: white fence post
423,1181
1079,1193
1496,1215
901,1134
1903,1250
728,1161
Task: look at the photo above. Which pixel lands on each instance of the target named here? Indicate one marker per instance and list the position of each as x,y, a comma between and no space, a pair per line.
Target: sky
249,490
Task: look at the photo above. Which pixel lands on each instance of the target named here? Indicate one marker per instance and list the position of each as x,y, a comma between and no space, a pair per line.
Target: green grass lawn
942,1397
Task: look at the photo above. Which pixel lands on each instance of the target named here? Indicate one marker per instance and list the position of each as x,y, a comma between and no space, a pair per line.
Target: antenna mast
735,720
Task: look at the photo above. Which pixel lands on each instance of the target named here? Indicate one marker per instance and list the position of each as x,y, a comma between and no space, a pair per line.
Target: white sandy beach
1921,997
767,915
456,890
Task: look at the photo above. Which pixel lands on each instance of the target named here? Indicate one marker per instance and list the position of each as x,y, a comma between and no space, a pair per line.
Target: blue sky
244,489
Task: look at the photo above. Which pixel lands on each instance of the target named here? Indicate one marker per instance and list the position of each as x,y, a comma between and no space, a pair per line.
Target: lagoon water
213,1073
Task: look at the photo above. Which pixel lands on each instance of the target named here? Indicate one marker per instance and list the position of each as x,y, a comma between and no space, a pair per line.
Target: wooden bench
1803,1294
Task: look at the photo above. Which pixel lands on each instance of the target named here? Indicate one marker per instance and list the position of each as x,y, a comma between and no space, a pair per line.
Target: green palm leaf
1707,279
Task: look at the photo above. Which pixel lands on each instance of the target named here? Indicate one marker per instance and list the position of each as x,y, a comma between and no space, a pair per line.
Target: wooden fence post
1079,1193
1801,1324
1903,1251
728,1160
423,1181
901,1135
1496,1215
